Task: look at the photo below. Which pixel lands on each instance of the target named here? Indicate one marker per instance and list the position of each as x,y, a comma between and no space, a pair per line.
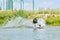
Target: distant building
16,4
6,4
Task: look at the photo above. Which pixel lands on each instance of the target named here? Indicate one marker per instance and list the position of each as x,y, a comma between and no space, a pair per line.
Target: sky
37,4
42,4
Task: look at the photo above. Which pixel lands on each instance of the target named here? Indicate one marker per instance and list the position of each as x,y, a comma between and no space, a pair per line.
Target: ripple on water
30,34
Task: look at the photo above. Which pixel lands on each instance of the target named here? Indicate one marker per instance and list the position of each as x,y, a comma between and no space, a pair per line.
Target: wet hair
35,20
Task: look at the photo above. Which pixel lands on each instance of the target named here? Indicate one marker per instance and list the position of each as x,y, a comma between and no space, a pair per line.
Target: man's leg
39,26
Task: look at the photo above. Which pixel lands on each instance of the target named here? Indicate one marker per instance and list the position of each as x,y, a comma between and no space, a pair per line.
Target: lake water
51,33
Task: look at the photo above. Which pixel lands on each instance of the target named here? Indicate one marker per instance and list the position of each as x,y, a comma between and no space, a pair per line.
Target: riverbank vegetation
51,16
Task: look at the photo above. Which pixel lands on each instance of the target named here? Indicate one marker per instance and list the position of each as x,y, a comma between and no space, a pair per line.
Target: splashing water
28,34
42,22
19,21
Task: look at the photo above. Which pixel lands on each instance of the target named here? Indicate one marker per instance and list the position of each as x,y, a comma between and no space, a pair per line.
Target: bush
10,14
53,21
2,21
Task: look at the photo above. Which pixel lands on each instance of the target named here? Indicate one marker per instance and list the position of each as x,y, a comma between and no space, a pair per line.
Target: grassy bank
52,17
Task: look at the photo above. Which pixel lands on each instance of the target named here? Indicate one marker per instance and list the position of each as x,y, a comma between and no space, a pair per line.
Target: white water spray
19,21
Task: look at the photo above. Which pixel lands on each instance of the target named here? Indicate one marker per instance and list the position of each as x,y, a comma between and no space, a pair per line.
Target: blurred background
29,4
49,10
16,19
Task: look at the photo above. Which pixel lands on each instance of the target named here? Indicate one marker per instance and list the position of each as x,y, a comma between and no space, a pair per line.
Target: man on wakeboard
36,24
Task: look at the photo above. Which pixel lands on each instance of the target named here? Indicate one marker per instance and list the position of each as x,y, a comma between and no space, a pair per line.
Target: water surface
51,33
